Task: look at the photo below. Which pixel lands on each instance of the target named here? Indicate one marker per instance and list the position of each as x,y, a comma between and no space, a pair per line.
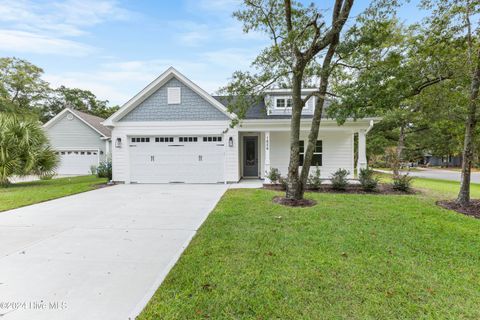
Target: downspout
370,126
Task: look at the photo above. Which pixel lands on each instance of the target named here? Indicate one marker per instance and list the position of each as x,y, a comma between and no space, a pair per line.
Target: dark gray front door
250,157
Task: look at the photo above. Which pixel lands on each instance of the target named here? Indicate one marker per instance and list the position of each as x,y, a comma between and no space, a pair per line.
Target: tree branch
288,15
267,16
426,84
341,12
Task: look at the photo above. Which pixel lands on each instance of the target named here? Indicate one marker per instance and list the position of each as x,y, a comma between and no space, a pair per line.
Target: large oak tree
303,46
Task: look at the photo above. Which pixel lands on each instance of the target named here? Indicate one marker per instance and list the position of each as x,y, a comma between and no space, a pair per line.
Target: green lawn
349,257
437,189
26,193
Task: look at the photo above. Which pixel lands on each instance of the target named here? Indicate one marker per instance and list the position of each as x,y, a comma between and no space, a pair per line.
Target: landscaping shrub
47,176
93,169
368,180
104,169
402,182
24,148
274,175
314,180
283,182
339,179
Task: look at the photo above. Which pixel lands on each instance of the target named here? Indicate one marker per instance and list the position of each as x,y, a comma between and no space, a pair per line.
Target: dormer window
174,95
283,102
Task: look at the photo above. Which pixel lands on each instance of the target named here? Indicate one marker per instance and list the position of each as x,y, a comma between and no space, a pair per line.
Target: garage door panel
190,162
77,161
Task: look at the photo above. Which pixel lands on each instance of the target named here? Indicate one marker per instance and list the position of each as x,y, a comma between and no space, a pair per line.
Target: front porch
261,149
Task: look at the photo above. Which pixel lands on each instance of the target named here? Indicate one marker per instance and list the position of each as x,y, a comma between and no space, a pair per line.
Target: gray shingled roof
259,110
94,121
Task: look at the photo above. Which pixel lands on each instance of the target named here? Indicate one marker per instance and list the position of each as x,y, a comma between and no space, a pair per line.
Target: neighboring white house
79,139
174,131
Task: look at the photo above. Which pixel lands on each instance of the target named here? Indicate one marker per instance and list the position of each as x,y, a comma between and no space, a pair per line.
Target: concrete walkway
438,174
96,255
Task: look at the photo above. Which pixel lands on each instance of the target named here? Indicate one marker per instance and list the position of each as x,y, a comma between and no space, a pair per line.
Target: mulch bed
294,203
382,189
473,209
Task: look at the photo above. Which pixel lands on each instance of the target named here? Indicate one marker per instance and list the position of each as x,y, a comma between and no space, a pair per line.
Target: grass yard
349,257
26,193
435,189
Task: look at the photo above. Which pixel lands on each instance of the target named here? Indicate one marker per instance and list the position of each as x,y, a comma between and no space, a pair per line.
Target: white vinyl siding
337,151
74,134
174,95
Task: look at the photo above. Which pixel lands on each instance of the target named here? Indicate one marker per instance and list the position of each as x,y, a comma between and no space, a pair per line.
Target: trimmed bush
314,180
104,169
283,182
402,182
368,180
339,179
274,175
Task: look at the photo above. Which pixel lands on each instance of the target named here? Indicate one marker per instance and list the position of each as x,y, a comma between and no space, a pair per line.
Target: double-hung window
282,103
317,153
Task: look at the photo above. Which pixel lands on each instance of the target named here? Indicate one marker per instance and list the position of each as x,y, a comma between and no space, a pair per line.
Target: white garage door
164,159
77,161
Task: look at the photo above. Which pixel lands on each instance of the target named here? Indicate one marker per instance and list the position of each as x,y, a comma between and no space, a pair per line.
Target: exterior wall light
230,142
118,143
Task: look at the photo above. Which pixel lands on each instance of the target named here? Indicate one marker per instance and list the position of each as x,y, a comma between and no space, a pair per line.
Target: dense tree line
24,92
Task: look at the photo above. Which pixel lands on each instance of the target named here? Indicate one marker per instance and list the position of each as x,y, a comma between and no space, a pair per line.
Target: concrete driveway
99,254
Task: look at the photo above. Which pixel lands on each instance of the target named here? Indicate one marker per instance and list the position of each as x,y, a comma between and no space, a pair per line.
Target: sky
115,48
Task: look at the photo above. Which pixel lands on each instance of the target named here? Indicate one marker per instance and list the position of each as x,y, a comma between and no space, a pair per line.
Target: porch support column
362,150
267,155
107,148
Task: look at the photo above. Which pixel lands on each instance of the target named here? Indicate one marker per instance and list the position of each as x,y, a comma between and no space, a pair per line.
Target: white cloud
241,58
118,81
48,27
22,41
104,90
194,34
214,6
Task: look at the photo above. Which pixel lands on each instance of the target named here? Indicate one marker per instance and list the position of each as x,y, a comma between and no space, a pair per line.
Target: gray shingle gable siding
192,107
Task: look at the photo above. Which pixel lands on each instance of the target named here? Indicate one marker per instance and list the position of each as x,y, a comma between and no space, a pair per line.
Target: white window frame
314,152
174,95
286,98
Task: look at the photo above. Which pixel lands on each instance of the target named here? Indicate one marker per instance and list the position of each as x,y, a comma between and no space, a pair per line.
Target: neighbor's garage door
77,161
164,159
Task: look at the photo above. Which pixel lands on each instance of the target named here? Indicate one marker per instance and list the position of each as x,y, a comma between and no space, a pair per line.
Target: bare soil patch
294,203
473,209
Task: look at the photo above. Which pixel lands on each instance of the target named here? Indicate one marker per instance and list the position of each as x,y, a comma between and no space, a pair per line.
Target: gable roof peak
90,120
157,84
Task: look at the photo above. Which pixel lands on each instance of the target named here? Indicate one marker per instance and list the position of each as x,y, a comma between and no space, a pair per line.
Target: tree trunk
294,184
470,125
399,154
317,114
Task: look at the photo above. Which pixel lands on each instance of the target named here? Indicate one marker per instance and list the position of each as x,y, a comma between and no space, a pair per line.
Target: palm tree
24,148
